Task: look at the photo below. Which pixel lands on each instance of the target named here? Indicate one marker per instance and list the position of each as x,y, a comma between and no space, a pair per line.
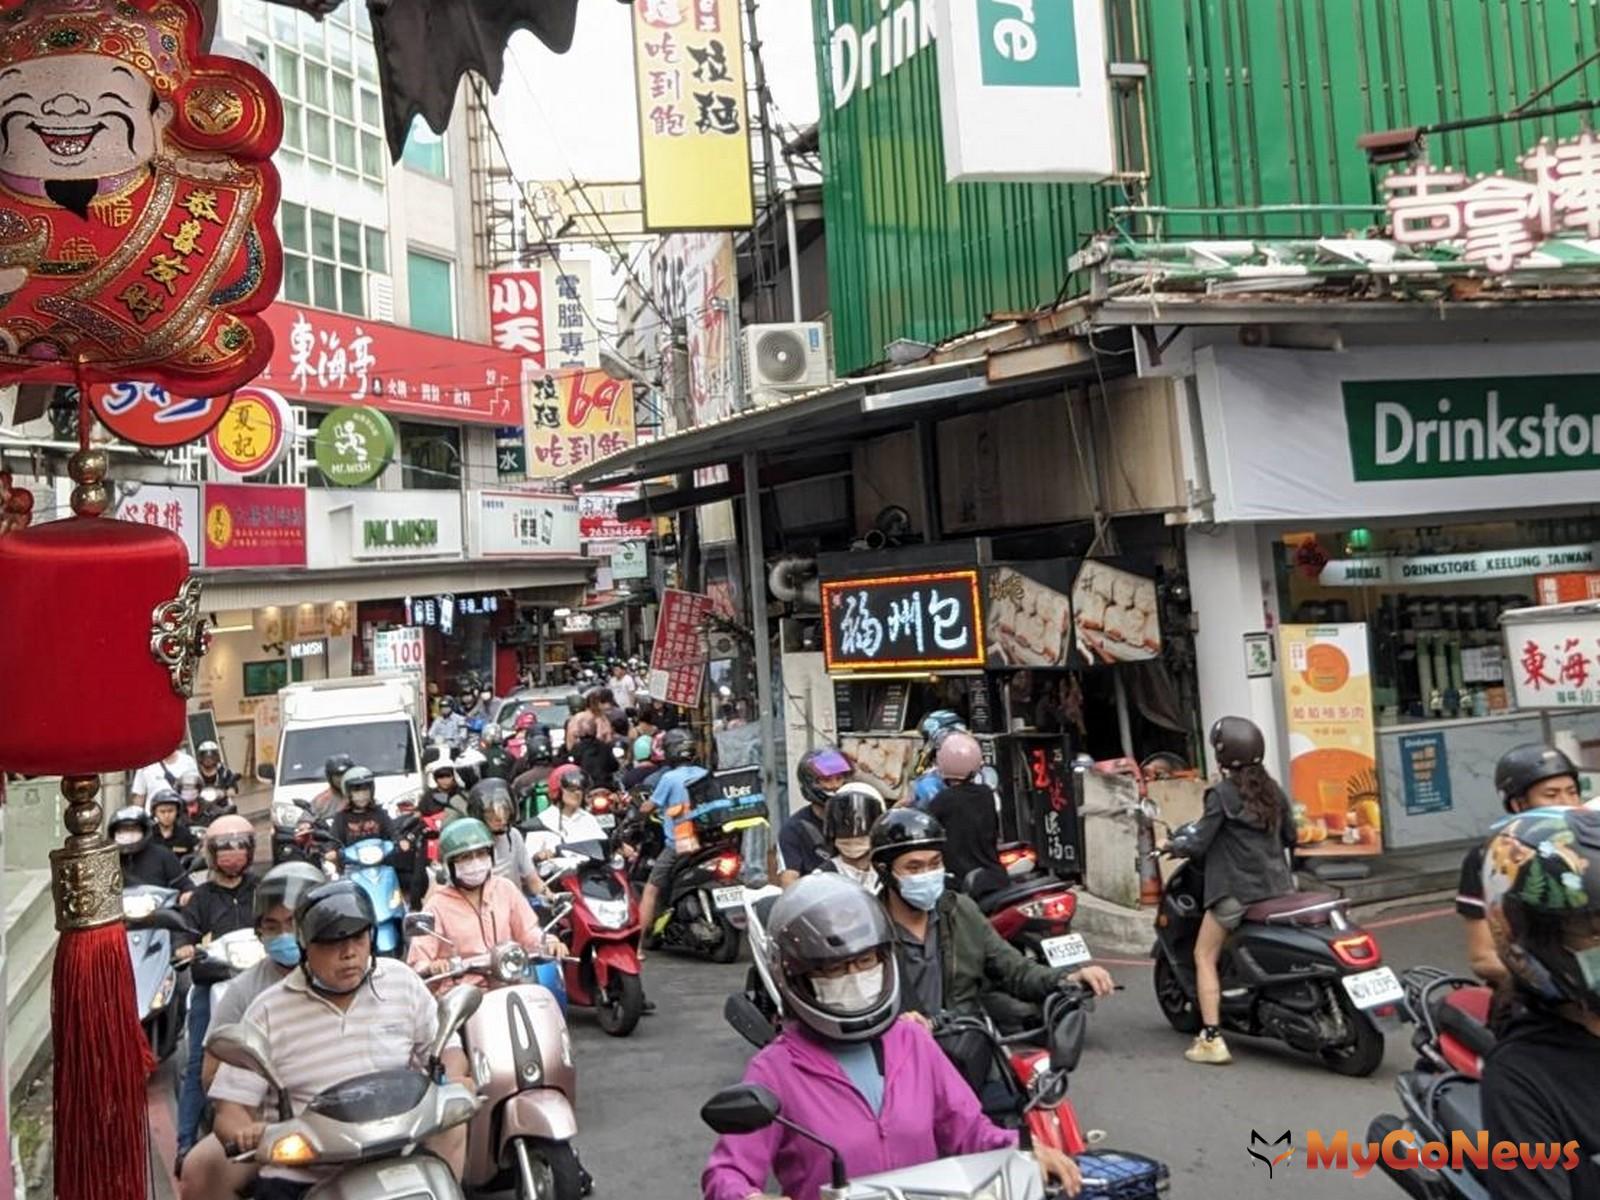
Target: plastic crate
1124,1176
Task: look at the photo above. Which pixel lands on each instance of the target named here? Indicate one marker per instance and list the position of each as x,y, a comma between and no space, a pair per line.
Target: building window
433,294
430,457
425,150
326,259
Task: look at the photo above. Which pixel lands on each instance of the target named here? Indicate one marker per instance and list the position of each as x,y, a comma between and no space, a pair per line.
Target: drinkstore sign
1449,428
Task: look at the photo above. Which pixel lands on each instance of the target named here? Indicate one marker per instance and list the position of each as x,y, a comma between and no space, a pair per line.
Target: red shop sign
678,657
146,414
254,525
328,358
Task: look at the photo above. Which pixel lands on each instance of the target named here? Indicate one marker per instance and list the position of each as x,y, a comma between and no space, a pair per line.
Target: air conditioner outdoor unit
781,360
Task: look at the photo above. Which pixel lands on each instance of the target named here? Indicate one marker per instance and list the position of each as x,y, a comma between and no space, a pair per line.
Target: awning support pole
757,582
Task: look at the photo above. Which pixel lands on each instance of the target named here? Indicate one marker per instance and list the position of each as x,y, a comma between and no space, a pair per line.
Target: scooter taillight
1057,907
1018,856
726,866
599,802
1357,950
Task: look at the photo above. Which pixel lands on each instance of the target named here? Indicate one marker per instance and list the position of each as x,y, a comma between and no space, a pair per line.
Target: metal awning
238,589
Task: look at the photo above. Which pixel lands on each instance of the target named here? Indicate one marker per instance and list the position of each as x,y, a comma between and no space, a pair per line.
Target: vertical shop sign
678,657
1425,773
694,138
516,312
569,298
1333,777
696,280
575,417
510,452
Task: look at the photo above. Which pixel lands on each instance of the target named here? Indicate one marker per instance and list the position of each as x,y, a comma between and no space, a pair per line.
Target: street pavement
639,1097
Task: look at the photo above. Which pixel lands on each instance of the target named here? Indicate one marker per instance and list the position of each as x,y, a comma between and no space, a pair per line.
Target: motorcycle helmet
536,748
901,830
568,776
442,768
189,785
334,912
821,923
163,797
1521,767
677,747
463,836
643,748
360,787
229,833
335,767
1237,743
488,796
447,706
959,757
209,755
1541,888
852,811
130,829
469,768
818,766
937,721
574,703
492,735
286,884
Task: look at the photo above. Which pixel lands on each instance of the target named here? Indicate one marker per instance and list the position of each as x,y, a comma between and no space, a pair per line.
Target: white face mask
852,993
856,847
127,837
472,874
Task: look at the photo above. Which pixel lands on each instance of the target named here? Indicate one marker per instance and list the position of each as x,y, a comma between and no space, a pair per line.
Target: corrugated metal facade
1248,103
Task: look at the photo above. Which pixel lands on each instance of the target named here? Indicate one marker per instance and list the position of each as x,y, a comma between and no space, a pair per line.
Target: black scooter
696,904
1297,969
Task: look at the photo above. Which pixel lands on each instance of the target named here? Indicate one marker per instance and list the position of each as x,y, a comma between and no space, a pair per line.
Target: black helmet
537,748
333,912
447,706
1541,883
677,746
903,829
619,721
1523,766
575,703
165,796
816,765
359,778
489,794
1237,742
820,922
131,817
286,884
335,768
852,811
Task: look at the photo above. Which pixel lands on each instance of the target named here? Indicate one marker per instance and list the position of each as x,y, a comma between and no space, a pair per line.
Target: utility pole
766,279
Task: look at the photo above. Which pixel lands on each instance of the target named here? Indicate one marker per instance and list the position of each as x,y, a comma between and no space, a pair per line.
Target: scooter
369,1127
1297,969
521,1137
749,1107
601,926
704,887
1440,1095
161,986
367,862
1030,908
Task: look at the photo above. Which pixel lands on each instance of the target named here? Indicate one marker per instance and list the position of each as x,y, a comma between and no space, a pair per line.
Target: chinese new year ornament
136,199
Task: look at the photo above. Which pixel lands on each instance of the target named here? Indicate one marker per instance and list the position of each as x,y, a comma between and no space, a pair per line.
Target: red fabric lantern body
78,600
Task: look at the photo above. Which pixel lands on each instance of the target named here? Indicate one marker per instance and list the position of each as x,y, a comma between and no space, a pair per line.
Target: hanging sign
1553,655
927,621
510,453
354,445
174,507
678,655
1445,568
398,650
629,560
254,433
597,515
146,414
516,312
575,417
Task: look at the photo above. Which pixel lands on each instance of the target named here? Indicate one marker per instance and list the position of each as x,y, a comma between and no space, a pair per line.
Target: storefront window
430,457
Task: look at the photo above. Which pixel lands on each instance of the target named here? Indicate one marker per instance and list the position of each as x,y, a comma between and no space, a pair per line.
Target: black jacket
155,866
182,842
352,825
595,759
971,829
1242,857
211,911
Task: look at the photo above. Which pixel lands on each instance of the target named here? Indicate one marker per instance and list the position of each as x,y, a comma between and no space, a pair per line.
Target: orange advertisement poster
1333,770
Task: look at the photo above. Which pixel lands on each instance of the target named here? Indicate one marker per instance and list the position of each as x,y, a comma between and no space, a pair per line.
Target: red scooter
600,924
1030,908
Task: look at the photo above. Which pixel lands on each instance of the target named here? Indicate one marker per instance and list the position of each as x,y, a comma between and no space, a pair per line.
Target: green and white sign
1022,43
419,534
354,445
1450,428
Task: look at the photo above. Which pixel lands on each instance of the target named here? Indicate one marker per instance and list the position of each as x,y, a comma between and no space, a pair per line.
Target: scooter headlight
137,908
511,964
611,914
292,1151
369,856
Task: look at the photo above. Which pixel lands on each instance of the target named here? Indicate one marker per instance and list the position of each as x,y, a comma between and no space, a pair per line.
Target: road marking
1432,914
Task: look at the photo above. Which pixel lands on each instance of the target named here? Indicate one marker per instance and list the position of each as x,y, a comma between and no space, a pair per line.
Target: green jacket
975,959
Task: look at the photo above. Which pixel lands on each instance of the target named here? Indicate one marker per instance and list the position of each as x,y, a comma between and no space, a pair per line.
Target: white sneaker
1211,1050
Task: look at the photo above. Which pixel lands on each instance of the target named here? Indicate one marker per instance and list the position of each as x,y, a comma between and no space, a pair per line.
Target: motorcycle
1297,969
369,1127
601,926
521,1137
161,986
746,1108
1030,908
696,901
1440,1095
367,862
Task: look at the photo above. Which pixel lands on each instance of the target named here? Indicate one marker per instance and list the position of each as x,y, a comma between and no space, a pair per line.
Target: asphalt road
639,1097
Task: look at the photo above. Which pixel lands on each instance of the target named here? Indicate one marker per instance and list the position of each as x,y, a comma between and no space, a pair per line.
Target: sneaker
1212,1050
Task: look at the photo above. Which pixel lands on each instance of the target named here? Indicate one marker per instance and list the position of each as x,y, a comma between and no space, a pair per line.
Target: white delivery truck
371,718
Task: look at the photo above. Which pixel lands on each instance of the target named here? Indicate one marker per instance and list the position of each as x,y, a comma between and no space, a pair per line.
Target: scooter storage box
714,816
1116,1175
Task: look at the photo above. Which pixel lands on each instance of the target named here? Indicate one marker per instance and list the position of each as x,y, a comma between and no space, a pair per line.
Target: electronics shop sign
900,623
1455,428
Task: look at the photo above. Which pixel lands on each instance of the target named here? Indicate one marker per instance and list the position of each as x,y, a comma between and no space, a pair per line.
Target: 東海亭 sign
903,622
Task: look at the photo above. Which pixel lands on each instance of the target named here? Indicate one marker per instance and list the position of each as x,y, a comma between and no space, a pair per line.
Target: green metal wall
1249,103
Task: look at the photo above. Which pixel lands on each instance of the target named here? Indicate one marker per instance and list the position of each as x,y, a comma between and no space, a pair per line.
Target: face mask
283,950
856,847
127,837
232,862
852,993
921,891
190,794
472,874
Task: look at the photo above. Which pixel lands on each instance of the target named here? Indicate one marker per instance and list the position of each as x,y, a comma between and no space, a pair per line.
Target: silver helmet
821,923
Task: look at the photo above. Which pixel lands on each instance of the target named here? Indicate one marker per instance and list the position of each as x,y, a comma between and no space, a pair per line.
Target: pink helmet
526,720
959,757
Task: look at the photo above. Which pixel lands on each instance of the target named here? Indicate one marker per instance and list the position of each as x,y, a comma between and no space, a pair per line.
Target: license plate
1066,951
605,820
728,897
1370,989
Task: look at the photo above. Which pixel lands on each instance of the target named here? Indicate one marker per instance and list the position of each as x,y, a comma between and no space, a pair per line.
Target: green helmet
463,836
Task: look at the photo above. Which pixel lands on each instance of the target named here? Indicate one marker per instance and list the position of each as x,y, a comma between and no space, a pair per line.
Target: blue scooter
367,862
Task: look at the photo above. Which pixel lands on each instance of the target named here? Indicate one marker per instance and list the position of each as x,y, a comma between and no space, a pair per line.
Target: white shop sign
409,524
1447,568
398,650
513,524
1553,655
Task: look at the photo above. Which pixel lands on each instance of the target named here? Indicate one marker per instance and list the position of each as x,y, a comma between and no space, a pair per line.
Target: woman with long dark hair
1241,841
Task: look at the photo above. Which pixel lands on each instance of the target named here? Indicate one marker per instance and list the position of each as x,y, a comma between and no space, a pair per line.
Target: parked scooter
161,986
521,1137
369,1127
1297,969
601,926
1440,1095
368,863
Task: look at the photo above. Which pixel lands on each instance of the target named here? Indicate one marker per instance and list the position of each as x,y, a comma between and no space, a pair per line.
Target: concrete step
1396,875
30,955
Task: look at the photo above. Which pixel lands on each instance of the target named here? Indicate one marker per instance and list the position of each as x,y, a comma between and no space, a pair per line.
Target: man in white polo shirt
344,1013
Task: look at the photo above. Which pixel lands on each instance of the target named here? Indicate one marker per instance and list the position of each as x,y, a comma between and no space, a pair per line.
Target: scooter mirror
743,1108
243,1046
747,1020
455,1008
420,923
1066,1040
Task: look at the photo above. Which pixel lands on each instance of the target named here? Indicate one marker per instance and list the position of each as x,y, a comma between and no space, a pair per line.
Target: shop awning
231,591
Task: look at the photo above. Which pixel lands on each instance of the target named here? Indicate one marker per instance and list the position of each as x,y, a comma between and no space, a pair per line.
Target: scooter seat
1463,1016
1297,908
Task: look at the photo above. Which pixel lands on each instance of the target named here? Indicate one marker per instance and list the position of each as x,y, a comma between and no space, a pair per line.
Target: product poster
1333,776
1425,774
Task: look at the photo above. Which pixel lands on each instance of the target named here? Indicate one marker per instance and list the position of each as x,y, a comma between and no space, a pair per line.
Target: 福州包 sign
408,524
354,445
174,507
575,417
512,524
254,525
1443,568
1013,74
254,433
927,621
